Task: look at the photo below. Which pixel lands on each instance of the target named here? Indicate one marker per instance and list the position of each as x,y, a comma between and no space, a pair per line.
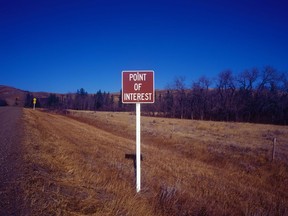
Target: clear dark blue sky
63,45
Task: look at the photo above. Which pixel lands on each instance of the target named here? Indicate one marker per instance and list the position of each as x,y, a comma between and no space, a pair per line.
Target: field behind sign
79,166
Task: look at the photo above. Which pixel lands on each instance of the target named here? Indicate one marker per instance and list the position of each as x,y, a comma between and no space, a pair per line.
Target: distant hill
17,97
12,96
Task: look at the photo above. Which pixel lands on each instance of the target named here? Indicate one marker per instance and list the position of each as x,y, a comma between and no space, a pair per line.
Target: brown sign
138,87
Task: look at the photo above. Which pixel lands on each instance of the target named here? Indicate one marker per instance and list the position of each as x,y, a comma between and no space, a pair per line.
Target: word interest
138,96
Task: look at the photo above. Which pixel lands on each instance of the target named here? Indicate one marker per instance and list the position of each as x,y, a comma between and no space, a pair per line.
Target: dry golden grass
77,166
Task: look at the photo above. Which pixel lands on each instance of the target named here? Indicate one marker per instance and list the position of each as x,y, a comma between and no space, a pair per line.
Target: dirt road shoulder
11,133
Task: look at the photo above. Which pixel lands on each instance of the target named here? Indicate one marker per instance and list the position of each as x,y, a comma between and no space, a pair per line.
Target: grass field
77,166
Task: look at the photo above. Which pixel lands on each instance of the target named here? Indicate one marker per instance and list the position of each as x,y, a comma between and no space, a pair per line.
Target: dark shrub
3,102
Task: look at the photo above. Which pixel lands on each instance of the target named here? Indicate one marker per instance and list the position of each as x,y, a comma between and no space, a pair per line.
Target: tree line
258,96
80,100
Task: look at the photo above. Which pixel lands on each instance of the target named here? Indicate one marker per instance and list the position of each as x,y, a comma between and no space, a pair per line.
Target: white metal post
138,151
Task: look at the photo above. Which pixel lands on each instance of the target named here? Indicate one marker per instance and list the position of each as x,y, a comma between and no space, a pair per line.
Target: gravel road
10,161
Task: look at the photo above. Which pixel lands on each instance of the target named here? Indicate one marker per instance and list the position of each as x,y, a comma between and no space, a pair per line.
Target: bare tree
247,79
179,85
168,104
199,98
226,90
269,79
246,82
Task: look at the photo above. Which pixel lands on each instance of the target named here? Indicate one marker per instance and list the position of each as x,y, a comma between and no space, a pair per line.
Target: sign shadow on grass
133,157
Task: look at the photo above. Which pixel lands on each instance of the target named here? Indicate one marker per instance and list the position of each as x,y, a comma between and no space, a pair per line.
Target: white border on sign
135,71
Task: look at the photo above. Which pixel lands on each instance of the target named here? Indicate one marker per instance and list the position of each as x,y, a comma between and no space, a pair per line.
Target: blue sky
64,45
